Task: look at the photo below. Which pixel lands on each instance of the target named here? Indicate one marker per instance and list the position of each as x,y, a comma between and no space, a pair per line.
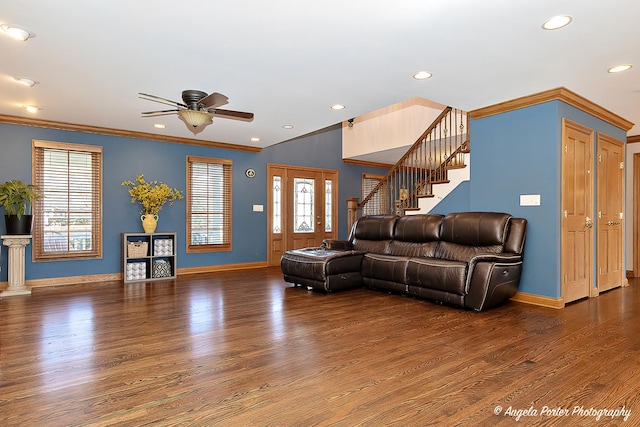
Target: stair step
423,175
457,166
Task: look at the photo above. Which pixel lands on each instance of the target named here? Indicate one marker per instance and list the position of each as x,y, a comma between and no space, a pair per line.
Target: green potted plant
17,198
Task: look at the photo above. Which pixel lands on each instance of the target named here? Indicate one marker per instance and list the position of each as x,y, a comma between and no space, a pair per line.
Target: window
378,202
68,218
277,204
208,204
328,211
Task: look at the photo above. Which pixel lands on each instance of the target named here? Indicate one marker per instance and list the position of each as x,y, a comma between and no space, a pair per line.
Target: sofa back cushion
416,235
466,234
475,228
418,228
373,233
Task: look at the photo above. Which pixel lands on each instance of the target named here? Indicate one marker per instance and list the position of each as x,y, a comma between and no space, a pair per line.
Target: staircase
441,148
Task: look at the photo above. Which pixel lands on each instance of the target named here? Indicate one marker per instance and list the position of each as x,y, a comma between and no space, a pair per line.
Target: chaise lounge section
468,259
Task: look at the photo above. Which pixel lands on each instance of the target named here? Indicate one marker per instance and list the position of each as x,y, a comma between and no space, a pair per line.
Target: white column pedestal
16,245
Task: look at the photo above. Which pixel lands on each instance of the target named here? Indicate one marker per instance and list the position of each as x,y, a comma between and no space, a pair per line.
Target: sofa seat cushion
385,267
438,274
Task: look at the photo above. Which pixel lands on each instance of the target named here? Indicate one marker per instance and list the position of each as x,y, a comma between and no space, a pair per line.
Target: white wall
396,126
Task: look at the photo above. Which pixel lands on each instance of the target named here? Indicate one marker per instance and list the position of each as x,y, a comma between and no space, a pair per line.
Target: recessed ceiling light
422,75
159,126
338,107
31,108
287,126
254,139
557,22
18,33
619,68
25,81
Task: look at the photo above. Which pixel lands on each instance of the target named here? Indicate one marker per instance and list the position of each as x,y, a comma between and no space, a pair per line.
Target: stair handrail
396,166
459,150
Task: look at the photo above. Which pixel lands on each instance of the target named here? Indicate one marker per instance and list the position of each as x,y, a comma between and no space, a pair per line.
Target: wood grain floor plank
244,348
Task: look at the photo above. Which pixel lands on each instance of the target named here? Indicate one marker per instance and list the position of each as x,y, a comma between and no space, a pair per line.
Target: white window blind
68,218
208,204
377,202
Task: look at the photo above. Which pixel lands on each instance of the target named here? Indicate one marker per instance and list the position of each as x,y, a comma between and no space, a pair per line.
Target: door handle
613,223
588,223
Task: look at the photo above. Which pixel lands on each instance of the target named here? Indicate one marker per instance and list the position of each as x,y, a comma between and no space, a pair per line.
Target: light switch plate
258,208
529,200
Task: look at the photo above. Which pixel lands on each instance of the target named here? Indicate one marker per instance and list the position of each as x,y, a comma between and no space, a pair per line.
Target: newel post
352,211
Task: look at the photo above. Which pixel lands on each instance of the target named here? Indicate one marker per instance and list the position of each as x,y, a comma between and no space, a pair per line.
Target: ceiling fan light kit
195,118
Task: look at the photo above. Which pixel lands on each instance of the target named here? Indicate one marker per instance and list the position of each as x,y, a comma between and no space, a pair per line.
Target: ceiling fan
197,108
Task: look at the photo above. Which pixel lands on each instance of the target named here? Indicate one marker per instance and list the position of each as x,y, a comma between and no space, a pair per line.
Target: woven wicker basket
136,249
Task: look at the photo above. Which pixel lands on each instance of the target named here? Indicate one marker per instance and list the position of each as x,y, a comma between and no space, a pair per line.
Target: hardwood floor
245,348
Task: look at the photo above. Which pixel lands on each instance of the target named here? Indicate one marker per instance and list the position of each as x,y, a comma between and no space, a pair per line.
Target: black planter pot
18,226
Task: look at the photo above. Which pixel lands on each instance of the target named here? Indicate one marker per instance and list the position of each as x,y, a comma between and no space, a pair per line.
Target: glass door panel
303,207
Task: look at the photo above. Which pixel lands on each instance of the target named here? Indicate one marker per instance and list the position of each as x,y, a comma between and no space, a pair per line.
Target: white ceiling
288,61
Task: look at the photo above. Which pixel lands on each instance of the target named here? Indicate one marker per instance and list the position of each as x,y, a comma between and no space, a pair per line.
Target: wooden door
577,211
302,208
610,199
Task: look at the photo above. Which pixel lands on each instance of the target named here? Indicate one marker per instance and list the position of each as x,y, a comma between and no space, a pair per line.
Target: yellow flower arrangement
151,195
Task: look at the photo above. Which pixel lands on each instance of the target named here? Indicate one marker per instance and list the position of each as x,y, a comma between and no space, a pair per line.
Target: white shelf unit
158,263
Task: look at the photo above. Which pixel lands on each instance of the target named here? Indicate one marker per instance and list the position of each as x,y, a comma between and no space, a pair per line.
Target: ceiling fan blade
160,99
159,111
214,100
230,114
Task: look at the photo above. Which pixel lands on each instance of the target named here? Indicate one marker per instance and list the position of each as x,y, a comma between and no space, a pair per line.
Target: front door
610,272
302,208
577,211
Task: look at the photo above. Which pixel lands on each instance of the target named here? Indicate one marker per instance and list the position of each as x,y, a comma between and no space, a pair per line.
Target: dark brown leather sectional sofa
467,259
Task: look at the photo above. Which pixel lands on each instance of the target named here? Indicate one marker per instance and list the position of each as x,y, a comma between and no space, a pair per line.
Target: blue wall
519,152
456,201
124,158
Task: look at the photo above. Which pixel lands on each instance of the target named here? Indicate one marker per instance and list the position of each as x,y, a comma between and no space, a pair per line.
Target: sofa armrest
491,282
489,258
337,245
504,258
